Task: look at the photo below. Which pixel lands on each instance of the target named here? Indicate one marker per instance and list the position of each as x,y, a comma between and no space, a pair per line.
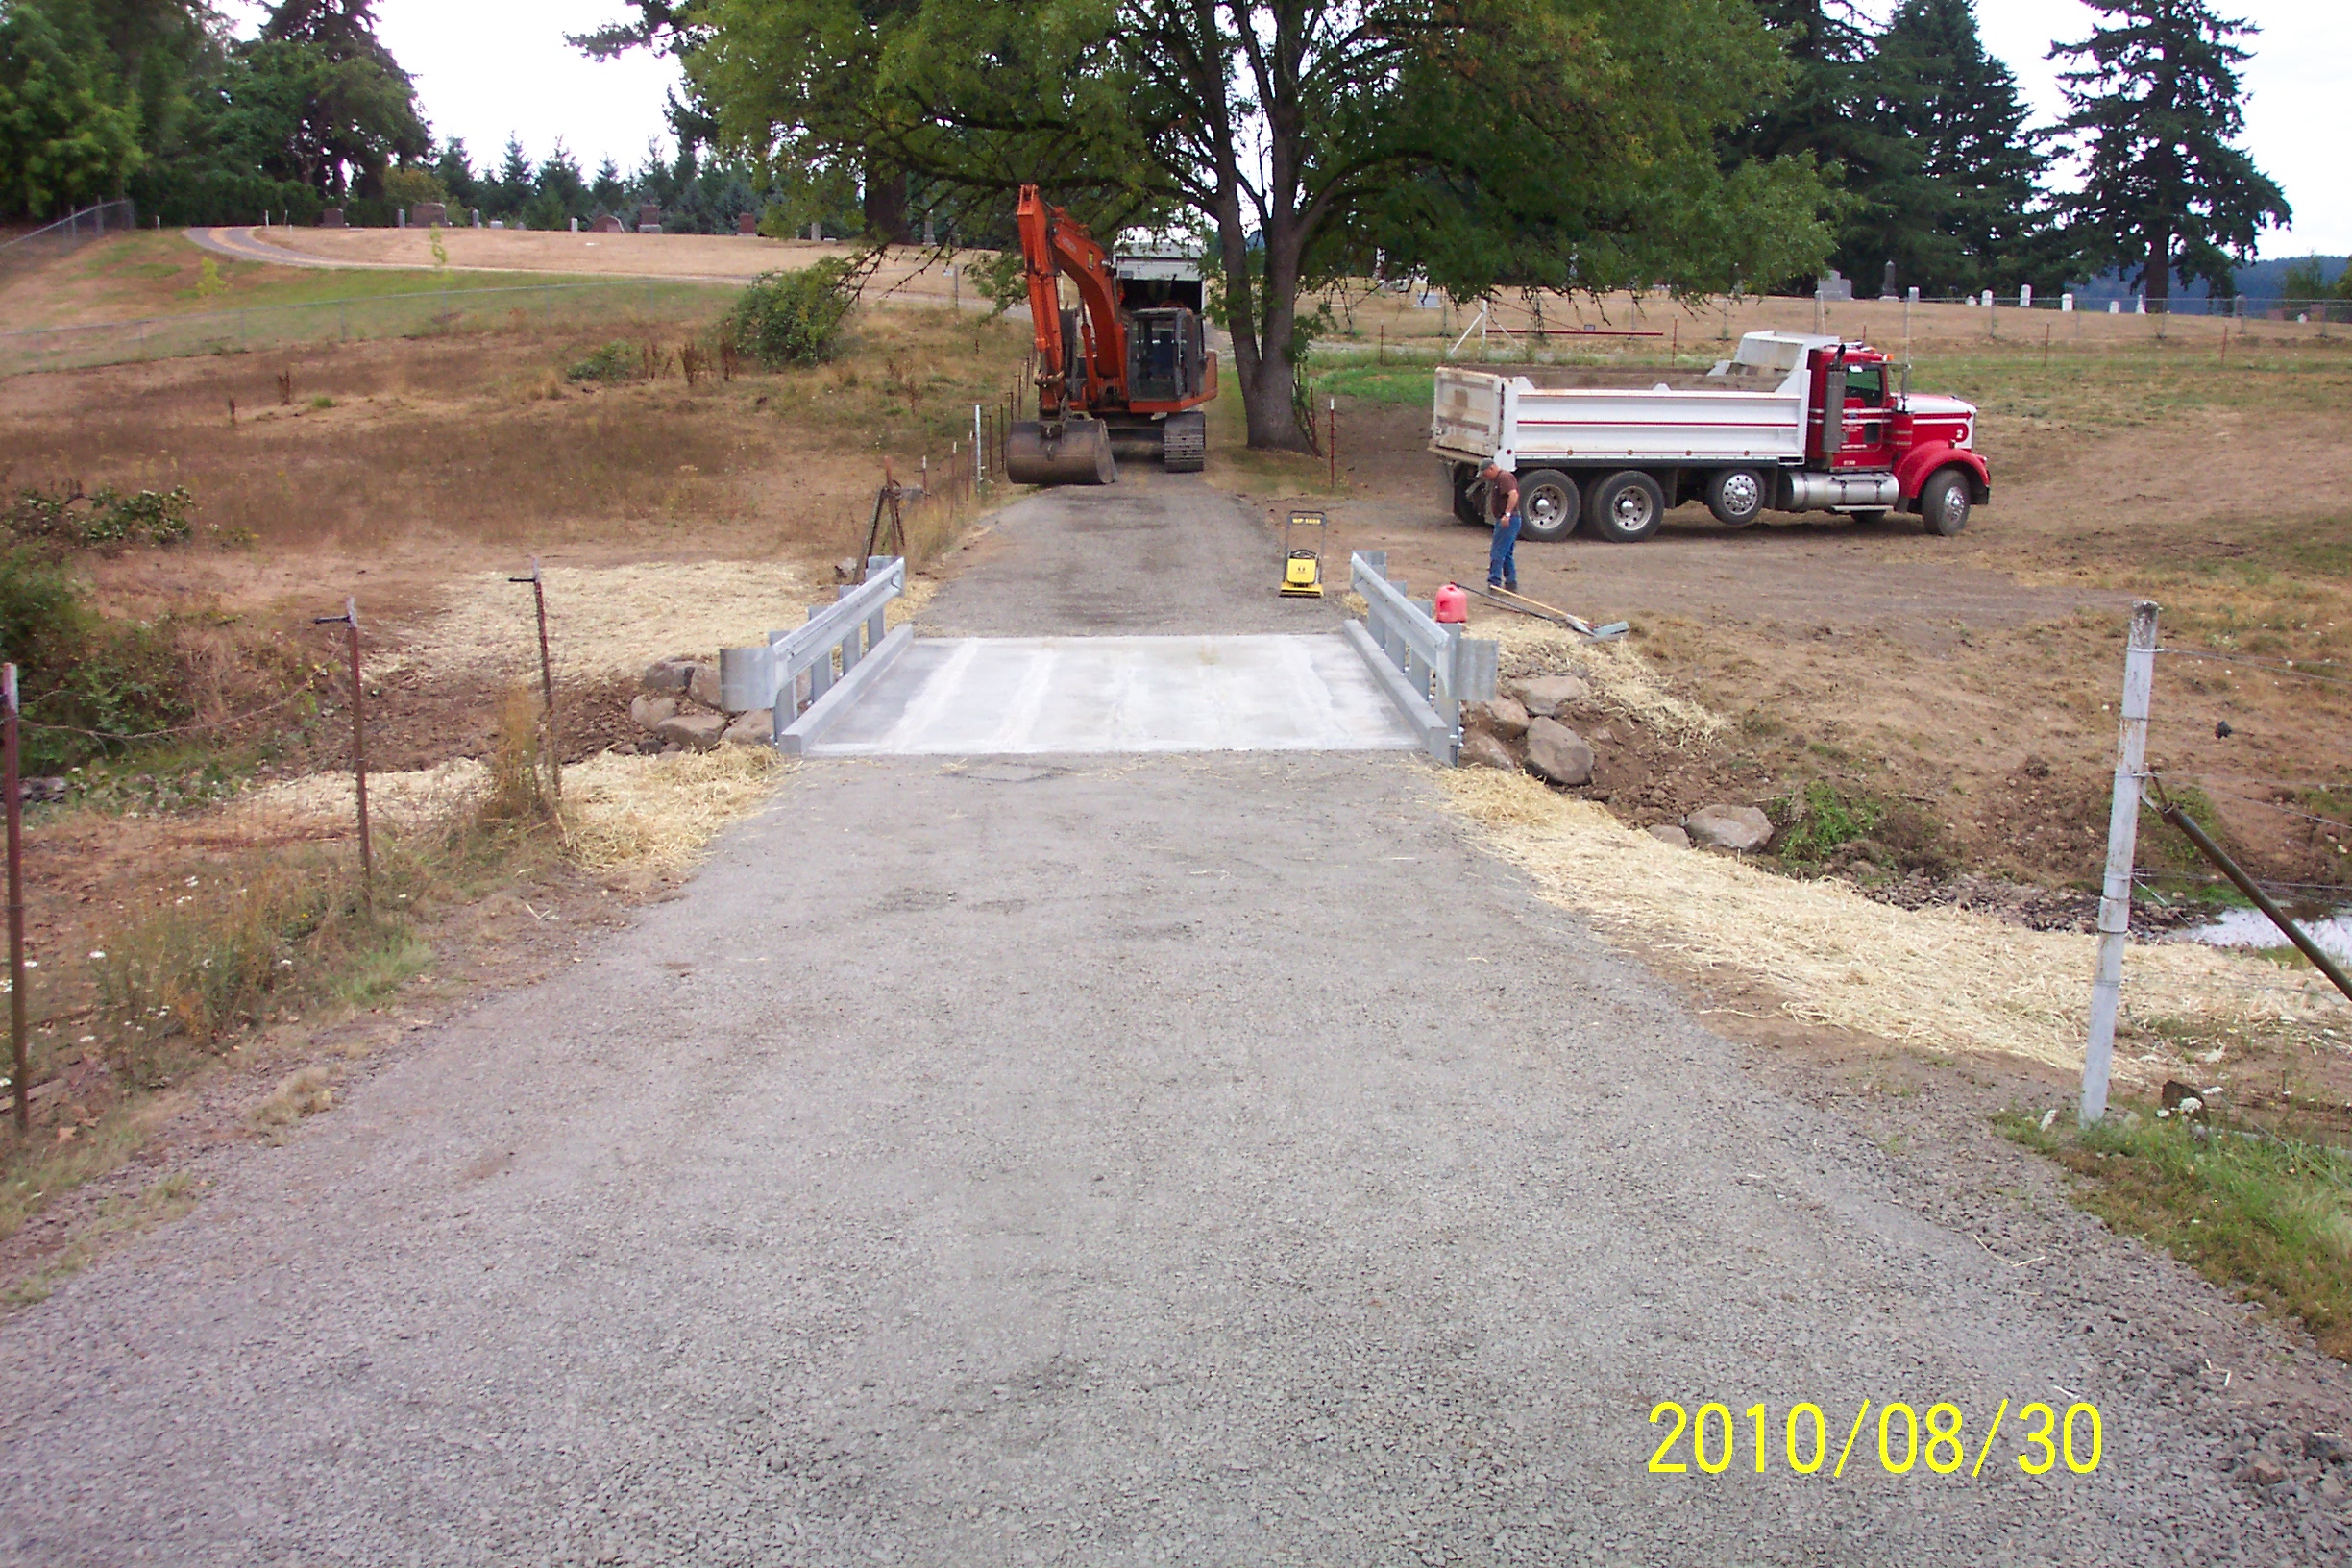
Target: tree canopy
1483,143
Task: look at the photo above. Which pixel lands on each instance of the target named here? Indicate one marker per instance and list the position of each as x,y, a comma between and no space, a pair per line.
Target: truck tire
1736,496
1548,505
1943,502
1469,496
1625,507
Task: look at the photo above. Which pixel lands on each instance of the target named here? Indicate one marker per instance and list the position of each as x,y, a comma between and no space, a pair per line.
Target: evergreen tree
2156,103
1827,113
455,168
1962,209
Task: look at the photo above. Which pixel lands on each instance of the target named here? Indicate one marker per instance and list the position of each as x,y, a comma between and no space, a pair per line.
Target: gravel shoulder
1208,1158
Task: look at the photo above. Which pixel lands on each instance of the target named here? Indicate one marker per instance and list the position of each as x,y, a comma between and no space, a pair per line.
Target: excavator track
1185,442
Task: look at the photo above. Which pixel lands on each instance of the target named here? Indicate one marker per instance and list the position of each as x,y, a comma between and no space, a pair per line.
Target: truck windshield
1865,384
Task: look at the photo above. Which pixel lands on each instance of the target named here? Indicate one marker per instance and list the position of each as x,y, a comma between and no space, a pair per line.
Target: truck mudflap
1922,463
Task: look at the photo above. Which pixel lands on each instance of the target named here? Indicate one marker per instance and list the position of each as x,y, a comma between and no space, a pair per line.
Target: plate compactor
1130,363
1302,567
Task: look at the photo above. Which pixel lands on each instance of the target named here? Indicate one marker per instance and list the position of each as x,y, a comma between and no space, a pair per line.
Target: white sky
487,67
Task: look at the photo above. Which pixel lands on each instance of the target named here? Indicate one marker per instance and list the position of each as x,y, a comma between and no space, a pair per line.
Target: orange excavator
1129,363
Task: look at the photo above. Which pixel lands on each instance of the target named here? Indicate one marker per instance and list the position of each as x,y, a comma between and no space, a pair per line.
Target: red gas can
1453,605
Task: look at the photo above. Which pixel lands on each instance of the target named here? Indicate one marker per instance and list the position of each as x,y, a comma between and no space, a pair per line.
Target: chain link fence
69,233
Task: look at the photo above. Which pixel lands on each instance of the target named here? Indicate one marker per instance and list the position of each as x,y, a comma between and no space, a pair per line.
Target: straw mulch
1621,678
1946,979
607,621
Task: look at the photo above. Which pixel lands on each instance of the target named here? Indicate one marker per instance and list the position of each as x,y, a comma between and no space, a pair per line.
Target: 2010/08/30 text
1907,1440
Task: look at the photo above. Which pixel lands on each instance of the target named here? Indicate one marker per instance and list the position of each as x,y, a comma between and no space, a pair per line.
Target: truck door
1870,420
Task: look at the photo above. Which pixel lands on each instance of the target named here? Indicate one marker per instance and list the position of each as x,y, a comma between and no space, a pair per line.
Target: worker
1503,511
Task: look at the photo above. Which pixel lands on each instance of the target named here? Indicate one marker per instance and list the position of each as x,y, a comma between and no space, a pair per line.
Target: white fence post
2123,837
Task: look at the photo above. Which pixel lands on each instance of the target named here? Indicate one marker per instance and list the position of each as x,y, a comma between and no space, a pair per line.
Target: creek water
2252,928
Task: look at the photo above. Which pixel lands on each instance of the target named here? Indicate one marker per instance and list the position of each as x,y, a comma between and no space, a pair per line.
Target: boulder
702,684
647,711
1557,753
1480,750
692,731
1507,718
1545,696
669,678
1742,828
1668,833
754,728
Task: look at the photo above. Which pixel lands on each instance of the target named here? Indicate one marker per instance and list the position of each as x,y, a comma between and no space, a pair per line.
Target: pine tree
1963,209
2157,103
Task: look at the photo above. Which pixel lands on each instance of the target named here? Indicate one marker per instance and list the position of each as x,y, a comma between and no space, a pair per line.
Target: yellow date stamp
1938,1439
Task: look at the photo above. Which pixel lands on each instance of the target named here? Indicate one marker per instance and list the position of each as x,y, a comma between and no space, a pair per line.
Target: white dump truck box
1750,408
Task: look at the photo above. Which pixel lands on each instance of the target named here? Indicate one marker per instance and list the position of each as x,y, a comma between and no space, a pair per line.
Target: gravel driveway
1195,1159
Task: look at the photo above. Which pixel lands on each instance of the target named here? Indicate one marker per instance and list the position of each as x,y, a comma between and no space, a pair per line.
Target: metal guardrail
1427,670
810,675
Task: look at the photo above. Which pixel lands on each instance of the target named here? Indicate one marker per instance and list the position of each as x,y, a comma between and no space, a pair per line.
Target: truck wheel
1736,496
1548,505
1626,508
1469,495
1943,504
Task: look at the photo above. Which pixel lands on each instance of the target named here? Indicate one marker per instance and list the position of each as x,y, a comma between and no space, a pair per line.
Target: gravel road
1199,1159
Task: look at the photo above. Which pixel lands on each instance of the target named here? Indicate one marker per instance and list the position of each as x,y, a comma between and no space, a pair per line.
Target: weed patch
2260,1214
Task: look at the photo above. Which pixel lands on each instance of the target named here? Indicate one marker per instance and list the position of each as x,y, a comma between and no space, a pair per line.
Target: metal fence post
15,899
2123,837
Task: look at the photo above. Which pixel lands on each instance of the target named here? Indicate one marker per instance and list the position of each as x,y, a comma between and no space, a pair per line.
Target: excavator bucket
1078,454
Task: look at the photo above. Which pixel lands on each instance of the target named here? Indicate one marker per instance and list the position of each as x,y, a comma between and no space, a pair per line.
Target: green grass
2260,1214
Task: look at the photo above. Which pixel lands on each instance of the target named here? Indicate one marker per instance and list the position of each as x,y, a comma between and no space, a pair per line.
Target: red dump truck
1790,422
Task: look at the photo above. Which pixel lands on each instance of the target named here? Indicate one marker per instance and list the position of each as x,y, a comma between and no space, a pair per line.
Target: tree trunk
885,204
2157,280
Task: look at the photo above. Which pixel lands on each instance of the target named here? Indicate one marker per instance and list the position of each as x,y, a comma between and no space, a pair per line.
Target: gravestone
2065,304
649,218
498,223
607,225
2025,296
476,217
746,223
427,215
1886,287
1833,285
331,218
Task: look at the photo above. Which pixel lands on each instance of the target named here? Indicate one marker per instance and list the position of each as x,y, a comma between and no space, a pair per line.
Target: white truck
1790,422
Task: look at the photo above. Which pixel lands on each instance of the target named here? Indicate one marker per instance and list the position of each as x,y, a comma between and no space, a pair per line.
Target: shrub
1821,819
80,670
105,521
795,318
615,361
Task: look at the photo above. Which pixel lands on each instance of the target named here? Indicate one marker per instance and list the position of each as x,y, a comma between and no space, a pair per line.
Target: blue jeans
1502,563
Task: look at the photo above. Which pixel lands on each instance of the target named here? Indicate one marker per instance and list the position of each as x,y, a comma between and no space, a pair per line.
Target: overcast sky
486,69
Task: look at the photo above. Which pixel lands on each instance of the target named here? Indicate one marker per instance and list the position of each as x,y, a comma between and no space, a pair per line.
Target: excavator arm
1054,243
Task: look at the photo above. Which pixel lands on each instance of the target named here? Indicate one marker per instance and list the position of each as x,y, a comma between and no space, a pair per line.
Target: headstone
1913,295
930,230
2024,296
815,232
1833,285
2114,307
649,217
2140,305
1886,287
429,215
331,218
401,218
746,223
476,217
575,226
498,223
607,225
2066,303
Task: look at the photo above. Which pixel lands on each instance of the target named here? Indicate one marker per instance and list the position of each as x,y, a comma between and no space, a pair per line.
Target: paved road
1198,1160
